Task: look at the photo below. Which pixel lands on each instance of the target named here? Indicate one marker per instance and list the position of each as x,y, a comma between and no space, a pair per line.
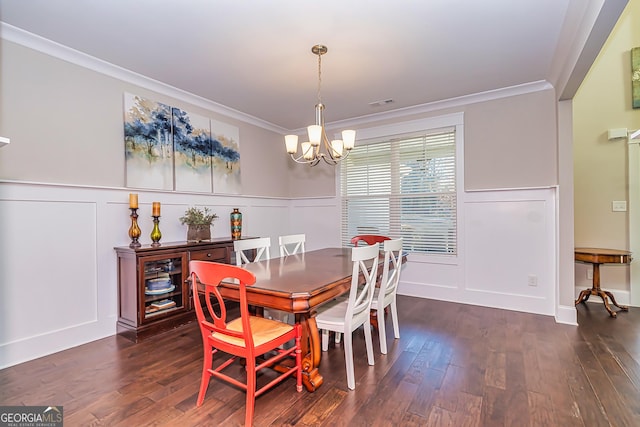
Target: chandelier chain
319,78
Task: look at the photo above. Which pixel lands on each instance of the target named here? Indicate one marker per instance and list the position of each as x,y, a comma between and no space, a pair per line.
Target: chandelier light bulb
308,152
336,147
349,139
291,142
315,134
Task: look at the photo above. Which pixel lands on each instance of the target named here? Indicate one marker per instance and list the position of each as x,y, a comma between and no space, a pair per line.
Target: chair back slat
391,269
365,264
211,275
261,246
292,244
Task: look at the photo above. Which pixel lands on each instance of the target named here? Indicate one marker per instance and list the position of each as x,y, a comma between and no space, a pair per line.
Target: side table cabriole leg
596,290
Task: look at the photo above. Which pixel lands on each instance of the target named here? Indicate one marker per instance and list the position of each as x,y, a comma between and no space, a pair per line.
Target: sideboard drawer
219,254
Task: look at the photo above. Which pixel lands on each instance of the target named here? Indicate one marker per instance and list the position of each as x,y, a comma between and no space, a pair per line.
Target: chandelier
334,151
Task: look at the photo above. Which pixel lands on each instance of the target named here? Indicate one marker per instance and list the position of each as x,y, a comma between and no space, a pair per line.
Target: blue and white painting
167,148
192,144
148,143
225,155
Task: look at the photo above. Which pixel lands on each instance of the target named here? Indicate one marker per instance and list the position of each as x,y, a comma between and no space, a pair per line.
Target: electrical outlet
533,280
589,274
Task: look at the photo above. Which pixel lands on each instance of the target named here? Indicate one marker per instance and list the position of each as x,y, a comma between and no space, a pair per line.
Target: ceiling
255,56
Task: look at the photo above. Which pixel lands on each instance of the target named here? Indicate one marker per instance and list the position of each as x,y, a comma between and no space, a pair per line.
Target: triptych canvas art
167,148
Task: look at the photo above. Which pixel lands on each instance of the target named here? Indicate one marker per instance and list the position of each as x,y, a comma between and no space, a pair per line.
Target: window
403,187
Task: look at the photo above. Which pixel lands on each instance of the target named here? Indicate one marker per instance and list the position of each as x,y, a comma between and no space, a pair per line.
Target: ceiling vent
381,103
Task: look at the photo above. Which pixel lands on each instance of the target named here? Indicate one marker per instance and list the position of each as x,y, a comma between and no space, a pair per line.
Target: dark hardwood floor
454,365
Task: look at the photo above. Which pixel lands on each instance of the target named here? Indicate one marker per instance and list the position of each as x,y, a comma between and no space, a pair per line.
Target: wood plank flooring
454,365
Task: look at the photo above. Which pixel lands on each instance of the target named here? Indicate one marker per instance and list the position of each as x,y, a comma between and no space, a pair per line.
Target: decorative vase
155,233
134,230
236,224
198,232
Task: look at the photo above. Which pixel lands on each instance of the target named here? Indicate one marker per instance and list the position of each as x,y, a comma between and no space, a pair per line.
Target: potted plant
199,221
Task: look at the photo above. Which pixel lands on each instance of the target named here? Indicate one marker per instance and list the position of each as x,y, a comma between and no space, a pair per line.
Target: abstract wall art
168,148
148,143
225,153
192,145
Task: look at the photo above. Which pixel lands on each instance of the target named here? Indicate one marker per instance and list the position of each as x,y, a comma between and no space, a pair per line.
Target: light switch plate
619,206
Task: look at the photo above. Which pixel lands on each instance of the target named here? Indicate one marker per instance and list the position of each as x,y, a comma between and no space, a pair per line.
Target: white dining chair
345,316
291,244
261,246
385,294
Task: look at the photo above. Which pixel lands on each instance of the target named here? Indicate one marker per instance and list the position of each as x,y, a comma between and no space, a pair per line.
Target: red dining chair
369,239
246,337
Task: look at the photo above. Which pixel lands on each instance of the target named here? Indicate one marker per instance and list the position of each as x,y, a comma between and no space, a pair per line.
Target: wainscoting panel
319,219
40,283
510,250
506,254
48,273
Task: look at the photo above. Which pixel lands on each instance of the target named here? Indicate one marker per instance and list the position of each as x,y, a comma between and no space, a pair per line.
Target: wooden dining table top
297,283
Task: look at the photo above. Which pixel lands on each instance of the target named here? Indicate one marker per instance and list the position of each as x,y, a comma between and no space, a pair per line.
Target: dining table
300,284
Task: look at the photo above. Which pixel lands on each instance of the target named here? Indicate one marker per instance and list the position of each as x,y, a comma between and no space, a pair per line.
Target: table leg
311,352
613,300
584,296
596,290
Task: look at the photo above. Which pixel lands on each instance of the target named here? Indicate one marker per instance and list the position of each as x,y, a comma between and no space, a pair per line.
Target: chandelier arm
303,161
327,145
331,162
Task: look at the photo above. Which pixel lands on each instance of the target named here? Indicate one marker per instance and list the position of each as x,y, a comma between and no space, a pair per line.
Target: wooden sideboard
153,293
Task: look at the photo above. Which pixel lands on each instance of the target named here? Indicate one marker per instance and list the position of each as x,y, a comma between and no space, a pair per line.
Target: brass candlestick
155,233
134,230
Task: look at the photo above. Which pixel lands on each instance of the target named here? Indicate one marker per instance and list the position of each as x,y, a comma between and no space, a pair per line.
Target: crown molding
65,53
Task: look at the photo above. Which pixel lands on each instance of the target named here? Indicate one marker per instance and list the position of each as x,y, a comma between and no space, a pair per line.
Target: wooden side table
596,256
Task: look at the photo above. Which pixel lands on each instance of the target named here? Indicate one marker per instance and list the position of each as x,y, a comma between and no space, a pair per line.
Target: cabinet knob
208,255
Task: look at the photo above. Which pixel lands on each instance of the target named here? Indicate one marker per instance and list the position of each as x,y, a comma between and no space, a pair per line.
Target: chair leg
337,337
348,358
251,392
206,376
325,339
394,319
382,332
369,342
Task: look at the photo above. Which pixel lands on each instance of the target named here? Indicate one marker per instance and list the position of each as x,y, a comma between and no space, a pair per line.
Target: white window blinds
405,187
